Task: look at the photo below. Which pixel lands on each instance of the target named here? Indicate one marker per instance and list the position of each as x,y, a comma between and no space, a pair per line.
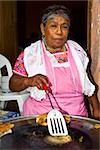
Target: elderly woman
57,64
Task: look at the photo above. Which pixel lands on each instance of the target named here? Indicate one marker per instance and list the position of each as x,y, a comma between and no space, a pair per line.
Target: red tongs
56,122
49,91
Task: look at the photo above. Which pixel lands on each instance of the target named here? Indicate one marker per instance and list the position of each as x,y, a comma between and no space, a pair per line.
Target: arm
18,83
93,100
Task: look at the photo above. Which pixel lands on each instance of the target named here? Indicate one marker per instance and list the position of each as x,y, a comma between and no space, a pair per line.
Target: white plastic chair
4,97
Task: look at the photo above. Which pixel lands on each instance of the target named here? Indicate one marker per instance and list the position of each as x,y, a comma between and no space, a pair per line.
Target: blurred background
20,23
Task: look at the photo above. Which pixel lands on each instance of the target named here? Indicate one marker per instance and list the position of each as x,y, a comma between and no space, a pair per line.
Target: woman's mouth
58,40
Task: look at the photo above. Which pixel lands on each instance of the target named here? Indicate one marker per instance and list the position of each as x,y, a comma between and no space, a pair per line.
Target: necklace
61,57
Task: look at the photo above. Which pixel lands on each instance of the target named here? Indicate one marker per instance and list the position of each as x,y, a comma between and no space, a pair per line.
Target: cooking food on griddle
58,139
97,126
42,119
5,128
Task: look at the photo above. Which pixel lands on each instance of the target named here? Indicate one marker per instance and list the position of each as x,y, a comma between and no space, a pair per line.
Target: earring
43,36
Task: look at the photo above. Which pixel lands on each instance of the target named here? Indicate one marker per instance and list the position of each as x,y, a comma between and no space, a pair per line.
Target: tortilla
97,126
5,128
55,140
42,119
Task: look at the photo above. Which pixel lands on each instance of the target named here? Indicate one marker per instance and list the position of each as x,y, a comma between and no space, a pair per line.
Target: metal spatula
56,122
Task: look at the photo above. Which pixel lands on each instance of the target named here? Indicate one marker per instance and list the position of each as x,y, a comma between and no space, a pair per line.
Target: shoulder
80,52
77,47
32,45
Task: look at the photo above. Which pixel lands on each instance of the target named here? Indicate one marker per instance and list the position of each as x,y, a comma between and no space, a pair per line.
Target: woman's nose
59,30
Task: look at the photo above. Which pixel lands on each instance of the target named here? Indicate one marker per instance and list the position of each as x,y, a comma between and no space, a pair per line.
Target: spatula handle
48,91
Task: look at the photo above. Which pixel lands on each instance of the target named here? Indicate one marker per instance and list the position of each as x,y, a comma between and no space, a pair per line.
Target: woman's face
56,31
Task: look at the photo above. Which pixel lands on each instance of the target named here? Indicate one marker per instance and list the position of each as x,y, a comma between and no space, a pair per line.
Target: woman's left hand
95,106
96,113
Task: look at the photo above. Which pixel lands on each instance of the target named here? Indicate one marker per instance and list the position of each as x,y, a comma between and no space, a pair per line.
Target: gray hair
55,10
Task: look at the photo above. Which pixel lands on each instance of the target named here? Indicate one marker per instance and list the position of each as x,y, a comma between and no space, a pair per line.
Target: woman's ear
42,29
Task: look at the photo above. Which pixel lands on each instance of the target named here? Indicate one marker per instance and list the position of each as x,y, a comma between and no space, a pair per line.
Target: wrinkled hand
39,81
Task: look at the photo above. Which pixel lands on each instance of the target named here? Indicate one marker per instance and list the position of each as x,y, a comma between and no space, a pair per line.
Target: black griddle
27,135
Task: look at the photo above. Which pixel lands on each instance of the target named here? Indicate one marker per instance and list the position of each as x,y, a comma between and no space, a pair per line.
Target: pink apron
66,88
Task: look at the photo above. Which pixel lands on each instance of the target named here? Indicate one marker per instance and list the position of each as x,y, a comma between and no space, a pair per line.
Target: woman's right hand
39,81
18,83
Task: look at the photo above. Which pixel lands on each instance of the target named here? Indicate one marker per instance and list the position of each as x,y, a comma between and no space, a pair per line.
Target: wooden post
8,29
95,41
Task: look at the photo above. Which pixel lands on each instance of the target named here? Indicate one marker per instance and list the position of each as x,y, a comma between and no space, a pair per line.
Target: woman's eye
66,26
54,26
